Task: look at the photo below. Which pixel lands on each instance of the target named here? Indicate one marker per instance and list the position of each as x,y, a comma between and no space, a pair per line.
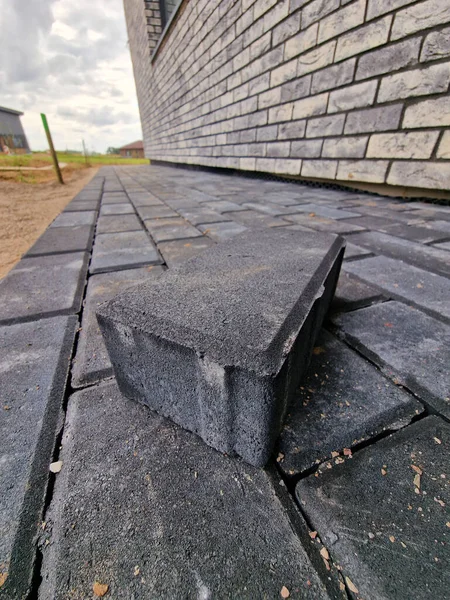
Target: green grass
103,159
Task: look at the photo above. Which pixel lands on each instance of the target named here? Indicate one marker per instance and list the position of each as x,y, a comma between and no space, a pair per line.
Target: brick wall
336,89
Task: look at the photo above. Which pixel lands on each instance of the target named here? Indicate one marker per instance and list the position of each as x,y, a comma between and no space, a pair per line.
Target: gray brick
116,251
303,41
444,146
34,363
165,501
374,119
402,349
295,129
322,169
284,73
306,148
286,29
379,476
345,147
414,144
211,343
428,113
388,59
267,133
354,96
91,363
381,7
281,113
63,239
368,37
316,10
362,170
334,76
118,223
422,173
278,149
315,59
117,209
43,286
75,219
418,287
431,80
293,90
325,126
420,16
330,412
308,107
436,45
342,20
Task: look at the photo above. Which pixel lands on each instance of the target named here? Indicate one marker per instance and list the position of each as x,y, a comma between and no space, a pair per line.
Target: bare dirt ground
26,210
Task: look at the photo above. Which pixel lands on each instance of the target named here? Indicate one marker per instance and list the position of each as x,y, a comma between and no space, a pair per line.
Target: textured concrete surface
114,251
72,219
220,232
43,286
34,361
183,511
413,348
63,239
163,230
254,305
92,362
118,224
352,294
176,252
330,413
383,515
119,208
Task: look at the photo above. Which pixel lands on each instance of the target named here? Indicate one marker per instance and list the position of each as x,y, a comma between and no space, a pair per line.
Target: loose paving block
421,288
222,231
353,251
175,253
427,257
34,362
156,212
115,251
220,343
163,230
190,518
118,224
323,224
352,294
92,361
411,347
43,286
73,219
124,208
343,401
63,239
384,514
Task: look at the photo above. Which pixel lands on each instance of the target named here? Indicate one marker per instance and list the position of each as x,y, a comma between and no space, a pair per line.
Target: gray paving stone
43,286
202,215
177,203
323,224
63,239
439,225
253,310
224,206
267,208
145,200
190,518
163,230
326,211
353,251
424,289
413,233
91,363
118,224
116,251
352,294
388,535
176,252
114,198
81,206
430,213
156,212
117,209
88,195
444,245
73,219
427,257
343,401
411,347
251,218
34,361
220,232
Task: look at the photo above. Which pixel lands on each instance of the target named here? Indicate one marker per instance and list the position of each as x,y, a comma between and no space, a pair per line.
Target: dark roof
11,110
139,145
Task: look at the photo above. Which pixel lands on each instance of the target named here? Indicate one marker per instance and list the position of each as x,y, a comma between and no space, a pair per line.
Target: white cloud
71,61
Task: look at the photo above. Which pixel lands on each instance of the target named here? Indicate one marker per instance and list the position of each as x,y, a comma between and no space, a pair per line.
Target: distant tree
112,150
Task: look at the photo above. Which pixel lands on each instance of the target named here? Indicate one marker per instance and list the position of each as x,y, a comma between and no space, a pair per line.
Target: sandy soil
27,209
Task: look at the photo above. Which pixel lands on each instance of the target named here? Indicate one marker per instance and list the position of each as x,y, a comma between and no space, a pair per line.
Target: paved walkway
354,503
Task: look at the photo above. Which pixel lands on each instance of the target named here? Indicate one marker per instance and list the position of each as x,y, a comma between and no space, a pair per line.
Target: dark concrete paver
81,206
122,208
353,251
73,219
383,515
165,516
118,224
115,251
323,224
55,240
410,346
251,218
421,288
352,294
327,211
43,286
34,361
220,232
155,212
163,230
342,402
201,215
176,252
114,198
92,362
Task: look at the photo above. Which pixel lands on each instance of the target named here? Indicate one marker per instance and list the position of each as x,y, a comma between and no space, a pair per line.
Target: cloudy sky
70,60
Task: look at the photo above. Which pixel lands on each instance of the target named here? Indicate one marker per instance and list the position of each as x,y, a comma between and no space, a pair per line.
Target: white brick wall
345,90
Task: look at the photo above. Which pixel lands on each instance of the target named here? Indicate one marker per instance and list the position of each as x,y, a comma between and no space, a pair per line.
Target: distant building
133,150
12,135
